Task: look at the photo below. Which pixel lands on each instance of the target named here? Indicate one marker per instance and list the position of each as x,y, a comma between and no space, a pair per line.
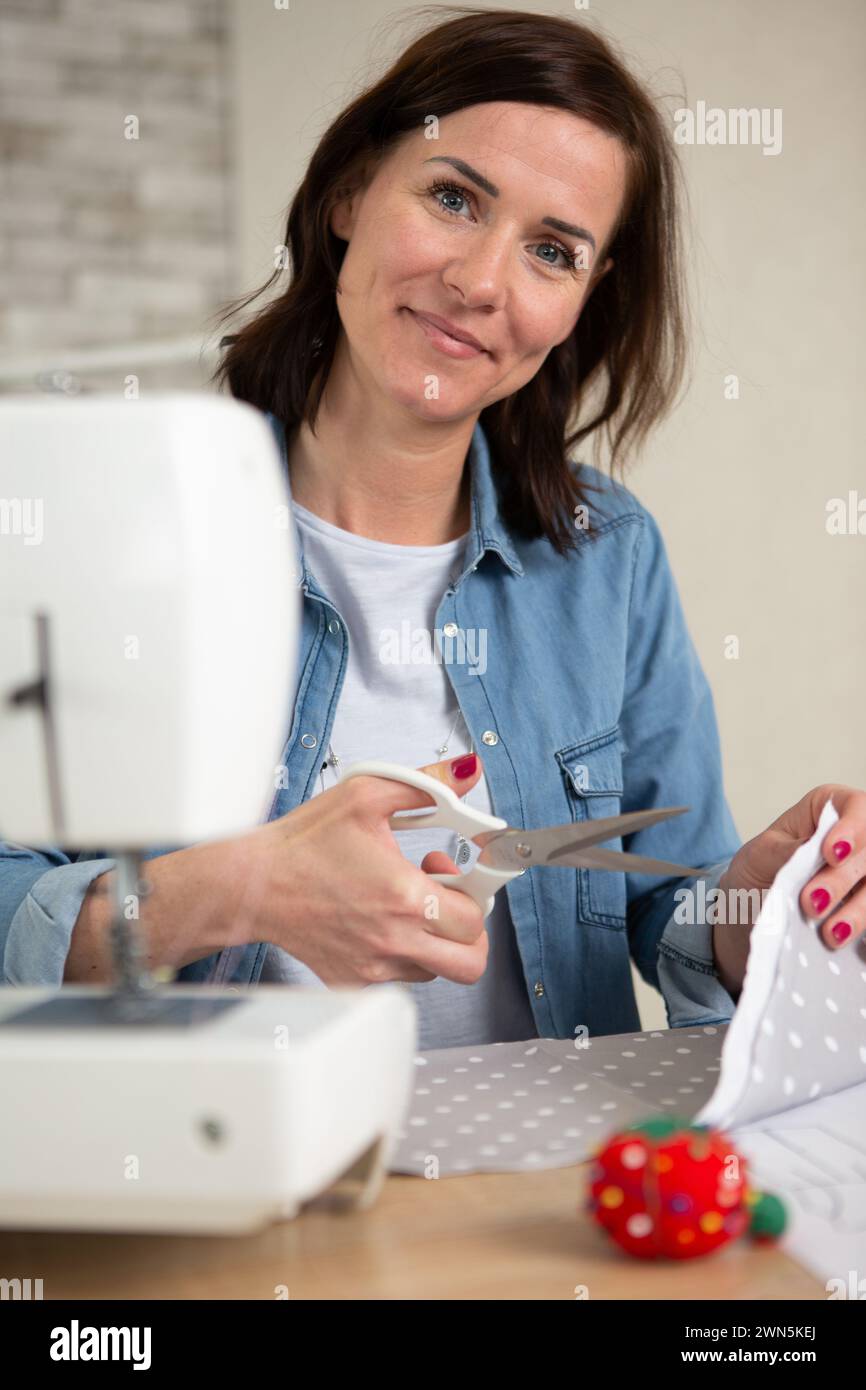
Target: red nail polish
841,930
465,766
841,849
819,899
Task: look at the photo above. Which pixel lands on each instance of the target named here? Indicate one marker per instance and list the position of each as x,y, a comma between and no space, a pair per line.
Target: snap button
333,625
489,737
309,740
450,629
539,989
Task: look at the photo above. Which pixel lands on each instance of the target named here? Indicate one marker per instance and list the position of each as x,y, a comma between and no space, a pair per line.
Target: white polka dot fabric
799,1033
548,1103
800,1027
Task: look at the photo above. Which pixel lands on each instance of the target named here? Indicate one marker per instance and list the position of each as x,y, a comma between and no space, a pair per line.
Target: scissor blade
520,849
621,863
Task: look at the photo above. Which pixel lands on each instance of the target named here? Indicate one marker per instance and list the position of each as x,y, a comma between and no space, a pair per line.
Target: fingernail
841,930
841,849
465,766
819,899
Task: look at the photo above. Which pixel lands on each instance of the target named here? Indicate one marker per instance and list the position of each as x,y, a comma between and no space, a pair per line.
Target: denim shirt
590,701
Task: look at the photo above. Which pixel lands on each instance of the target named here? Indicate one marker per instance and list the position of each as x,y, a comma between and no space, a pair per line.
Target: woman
486,241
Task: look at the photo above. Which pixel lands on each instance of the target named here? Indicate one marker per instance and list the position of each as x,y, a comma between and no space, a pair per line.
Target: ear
345,211
342,218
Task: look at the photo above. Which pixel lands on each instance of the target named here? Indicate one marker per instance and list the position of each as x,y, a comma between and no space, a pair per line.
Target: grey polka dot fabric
548,1103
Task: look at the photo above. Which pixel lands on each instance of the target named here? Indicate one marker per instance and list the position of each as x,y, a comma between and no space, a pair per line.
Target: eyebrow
490,188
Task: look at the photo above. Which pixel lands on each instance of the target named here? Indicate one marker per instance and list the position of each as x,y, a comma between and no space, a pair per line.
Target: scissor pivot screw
525,851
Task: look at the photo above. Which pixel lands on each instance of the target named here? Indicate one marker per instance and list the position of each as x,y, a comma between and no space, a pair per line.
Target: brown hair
629,343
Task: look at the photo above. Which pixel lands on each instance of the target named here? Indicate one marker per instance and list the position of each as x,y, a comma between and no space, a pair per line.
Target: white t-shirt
397,704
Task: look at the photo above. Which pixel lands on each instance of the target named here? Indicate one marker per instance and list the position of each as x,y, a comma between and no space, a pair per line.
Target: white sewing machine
149,618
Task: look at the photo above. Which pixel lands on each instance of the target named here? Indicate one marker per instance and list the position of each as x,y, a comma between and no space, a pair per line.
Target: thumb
436,861
386,796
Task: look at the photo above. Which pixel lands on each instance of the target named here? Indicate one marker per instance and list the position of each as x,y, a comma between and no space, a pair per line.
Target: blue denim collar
490,531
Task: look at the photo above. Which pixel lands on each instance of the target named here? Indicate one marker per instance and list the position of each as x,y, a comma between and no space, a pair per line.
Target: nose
480,272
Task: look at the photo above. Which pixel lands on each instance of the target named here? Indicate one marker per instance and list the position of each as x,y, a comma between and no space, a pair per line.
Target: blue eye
450,188
457,191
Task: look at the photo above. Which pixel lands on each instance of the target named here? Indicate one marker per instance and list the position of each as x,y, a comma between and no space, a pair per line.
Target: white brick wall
104,238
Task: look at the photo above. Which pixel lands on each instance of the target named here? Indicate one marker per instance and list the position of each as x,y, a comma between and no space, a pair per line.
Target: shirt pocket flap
593,767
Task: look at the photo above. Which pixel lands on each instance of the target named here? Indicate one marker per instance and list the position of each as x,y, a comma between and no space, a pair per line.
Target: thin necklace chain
335,761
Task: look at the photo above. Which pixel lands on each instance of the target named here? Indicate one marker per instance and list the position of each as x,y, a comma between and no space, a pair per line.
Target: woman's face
483,258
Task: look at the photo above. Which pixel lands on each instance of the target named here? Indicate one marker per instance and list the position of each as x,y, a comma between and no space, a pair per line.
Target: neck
384,475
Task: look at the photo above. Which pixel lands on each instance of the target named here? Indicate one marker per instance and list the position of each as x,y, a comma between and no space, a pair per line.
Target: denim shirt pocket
592,772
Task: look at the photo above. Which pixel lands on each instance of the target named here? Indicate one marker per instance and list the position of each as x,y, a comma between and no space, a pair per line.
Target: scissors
506,853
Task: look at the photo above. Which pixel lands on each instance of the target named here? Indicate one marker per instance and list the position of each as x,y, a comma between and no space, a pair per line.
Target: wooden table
484,1236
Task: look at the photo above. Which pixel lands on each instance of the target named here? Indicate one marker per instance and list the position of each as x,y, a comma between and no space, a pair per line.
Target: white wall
740,487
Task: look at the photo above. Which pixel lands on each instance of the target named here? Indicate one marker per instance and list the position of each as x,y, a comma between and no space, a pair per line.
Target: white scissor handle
481,883
450,811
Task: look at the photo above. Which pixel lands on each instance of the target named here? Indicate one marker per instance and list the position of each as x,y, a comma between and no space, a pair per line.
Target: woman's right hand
328,883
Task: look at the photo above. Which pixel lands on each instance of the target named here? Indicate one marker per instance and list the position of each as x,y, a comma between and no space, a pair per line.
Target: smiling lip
448,332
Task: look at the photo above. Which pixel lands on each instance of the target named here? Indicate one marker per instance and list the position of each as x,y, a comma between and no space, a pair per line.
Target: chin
433,410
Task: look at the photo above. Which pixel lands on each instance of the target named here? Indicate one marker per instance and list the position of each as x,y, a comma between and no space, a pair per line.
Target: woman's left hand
756,864
826,895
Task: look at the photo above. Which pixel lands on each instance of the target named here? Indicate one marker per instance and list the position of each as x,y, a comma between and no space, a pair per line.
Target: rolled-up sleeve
41,894
688,978
672,758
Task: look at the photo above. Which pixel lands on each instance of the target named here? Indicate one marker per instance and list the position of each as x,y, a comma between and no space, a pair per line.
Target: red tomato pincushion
667,1188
